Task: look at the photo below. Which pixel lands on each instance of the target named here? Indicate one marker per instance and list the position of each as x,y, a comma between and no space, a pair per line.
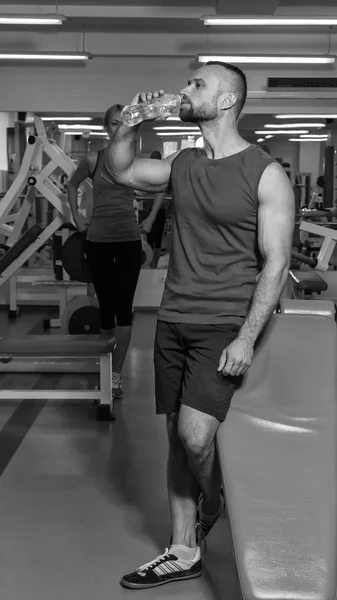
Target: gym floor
82,502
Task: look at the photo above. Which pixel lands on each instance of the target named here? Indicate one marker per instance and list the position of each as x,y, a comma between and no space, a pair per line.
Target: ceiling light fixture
309,116
178,133
282,132
66,119
293,125
176,128
82,127
66,56
277,21
260,140
311,135
300,59
32,19
306,140
86,132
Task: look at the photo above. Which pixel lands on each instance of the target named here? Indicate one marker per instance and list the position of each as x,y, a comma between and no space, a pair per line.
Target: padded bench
59,347
278,457
308,282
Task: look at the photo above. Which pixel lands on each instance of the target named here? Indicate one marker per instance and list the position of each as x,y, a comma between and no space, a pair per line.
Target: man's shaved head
234,80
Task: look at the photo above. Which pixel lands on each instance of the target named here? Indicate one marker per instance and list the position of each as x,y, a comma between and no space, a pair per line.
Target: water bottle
145,111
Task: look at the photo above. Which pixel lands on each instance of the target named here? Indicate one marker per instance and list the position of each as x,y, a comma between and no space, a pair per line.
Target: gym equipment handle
312,262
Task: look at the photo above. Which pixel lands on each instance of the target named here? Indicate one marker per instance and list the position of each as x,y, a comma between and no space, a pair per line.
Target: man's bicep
151,174
276,215
144,174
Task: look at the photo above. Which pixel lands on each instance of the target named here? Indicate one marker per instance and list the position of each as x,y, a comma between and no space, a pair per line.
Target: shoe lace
156,562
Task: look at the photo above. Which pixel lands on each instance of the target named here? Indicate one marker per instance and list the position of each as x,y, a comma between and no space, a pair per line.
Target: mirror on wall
304,147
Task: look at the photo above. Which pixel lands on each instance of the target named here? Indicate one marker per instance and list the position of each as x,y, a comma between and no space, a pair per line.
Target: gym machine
46,179
40,172
318,276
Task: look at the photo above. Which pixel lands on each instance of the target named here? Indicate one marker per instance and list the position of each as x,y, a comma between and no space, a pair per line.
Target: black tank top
113,217
214,255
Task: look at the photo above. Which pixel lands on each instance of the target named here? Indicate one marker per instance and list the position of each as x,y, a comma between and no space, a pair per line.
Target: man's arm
123,167
276,221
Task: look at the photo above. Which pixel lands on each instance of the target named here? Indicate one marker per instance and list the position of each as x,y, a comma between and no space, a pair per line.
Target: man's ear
228,101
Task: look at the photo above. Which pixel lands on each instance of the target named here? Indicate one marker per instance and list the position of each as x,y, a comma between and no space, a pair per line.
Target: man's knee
197,437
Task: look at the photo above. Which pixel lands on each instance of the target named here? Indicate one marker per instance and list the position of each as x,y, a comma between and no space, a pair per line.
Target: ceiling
158,15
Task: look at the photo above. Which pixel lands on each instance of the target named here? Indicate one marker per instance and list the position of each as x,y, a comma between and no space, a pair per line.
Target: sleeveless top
113,217
214,256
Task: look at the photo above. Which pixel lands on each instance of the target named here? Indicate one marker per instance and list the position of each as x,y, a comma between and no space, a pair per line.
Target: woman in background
114,248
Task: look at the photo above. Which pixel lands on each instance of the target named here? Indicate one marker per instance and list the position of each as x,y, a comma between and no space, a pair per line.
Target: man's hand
236,358
148,97
146,225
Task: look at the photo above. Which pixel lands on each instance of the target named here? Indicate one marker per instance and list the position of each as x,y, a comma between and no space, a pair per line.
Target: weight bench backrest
277,451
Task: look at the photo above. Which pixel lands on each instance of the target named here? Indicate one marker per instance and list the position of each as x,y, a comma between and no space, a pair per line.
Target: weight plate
81,316
147,254
73,256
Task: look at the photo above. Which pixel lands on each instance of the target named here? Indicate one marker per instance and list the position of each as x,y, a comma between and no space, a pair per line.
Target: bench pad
278,457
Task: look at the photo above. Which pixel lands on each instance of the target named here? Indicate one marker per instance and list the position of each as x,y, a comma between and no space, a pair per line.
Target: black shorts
186,358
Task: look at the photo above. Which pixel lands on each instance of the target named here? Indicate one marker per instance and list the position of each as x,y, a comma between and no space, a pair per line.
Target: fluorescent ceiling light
277,21
178,133
260,140
293,125
310,135
80,132
176,127
268,137
66,118
173,119
306,140
32,19
317,116
300,59
45,55
82,127
282,132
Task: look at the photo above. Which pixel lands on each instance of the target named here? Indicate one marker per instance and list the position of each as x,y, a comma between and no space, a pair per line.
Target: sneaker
116,384
166,568
202,528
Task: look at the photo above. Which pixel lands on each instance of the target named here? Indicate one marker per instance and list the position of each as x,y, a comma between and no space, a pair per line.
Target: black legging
114,269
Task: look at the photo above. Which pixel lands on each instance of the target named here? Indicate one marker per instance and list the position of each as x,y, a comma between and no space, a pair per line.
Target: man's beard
205,112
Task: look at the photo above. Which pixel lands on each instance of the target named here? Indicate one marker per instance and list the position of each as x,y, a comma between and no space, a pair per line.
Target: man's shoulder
179,155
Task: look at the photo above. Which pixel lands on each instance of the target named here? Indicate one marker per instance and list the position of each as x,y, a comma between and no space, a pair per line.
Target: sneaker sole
140,586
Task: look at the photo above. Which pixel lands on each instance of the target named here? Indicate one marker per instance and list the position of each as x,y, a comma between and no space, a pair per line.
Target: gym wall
94,85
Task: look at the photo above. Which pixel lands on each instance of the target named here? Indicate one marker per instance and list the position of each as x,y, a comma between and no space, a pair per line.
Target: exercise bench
278,458
59,347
